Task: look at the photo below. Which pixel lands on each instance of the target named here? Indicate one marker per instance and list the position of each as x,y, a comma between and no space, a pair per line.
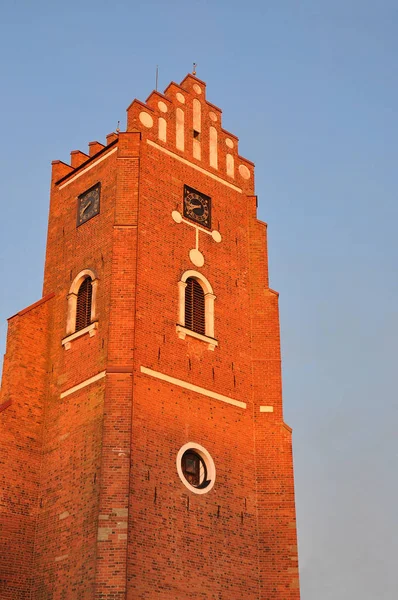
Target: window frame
196,477
207,460
209,297
195,315
71,332
83,304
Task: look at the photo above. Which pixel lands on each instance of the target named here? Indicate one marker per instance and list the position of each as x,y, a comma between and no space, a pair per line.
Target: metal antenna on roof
194,68
157,75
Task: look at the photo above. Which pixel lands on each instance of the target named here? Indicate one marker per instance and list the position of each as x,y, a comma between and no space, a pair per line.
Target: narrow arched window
83,306
194,306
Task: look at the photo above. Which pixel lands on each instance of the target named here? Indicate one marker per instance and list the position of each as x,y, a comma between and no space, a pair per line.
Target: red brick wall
73,436
114,521
247,328
22,397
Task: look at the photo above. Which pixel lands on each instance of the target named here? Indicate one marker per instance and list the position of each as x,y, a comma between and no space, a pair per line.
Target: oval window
196,468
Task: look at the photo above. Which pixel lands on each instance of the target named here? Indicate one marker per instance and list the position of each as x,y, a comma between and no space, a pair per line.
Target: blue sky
310,87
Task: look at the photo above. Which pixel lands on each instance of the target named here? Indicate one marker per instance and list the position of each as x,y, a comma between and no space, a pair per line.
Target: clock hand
193,206
86,207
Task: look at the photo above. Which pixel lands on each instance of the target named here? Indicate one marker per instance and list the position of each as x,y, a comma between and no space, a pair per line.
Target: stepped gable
182,121
185,123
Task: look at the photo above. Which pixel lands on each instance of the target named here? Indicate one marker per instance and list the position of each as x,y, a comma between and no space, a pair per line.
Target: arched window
195,306
83,305
82,300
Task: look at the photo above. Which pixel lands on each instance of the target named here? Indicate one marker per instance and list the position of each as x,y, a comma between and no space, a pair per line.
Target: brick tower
143,452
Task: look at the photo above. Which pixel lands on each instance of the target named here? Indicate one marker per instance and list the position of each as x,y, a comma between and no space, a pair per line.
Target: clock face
88,204
197,207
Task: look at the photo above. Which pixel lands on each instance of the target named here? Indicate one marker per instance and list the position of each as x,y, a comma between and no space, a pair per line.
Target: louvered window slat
83,308
194,306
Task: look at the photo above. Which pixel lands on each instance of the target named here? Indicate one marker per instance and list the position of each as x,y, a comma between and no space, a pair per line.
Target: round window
196,468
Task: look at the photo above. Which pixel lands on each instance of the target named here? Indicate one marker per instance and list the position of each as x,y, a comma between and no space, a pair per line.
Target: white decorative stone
180,98
230,163
196,257
146,119
180,141
213,148
216,235
210,468
244,171
197,88
196,149
162,129
177,217
197,111
213,116
229,143
162,106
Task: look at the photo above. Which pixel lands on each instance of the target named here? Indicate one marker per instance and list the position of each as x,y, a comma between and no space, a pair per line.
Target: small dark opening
194,469
196,134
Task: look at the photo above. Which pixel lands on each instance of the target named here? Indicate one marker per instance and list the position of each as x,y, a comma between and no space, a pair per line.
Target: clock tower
143,451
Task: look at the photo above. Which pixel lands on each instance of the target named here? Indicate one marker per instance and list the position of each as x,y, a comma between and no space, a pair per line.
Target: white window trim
182,331
90,329
209,462
72,299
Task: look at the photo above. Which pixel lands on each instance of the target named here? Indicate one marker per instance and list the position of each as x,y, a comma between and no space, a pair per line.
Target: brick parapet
32,306
94,148
77,158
